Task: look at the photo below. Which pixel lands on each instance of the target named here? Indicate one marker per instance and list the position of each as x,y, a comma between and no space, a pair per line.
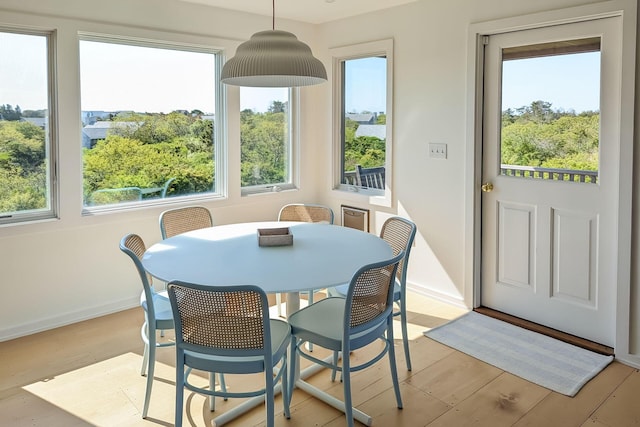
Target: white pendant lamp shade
273,58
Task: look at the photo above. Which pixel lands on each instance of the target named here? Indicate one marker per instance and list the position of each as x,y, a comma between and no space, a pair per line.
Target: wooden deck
88,374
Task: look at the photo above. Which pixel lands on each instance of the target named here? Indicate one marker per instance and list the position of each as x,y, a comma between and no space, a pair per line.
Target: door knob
487,187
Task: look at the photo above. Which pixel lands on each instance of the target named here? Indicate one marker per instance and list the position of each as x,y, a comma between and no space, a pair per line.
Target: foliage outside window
538,140
26,127
148,117
265,139
362,117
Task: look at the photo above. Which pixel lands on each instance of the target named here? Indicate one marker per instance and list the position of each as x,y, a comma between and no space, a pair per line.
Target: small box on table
275,237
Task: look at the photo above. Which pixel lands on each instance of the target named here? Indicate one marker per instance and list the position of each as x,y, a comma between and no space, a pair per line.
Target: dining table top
322,255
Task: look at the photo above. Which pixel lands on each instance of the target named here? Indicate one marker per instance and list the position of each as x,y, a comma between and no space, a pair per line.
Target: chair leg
405,337
144,333
269,397
392,363
212,387
335,366
150,371
346,384
284,385
179,390
292,365
223,385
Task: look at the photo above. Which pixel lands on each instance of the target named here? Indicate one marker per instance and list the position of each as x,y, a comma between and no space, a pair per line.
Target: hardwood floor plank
564,410
621,409
499,403
454,378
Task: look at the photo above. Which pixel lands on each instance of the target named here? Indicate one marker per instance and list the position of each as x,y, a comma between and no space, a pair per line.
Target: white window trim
293,152
356,51
220,128
51,213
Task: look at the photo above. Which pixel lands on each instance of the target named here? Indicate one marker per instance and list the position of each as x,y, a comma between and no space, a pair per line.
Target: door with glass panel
550,177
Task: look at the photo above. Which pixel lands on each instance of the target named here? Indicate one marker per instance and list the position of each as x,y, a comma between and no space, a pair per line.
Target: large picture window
148,121
362,117
266,139
27,137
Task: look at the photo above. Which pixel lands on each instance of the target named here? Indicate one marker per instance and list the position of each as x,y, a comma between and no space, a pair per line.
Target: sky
120,77
568,82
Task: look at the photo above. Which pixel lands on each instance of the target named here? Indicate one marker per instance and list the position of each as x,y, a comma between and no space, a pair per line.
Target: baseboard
44,324
438,296
562,336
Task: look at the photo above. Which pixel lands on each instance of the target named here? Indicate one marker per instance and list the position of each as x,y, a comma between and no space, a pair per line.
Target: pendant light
273,58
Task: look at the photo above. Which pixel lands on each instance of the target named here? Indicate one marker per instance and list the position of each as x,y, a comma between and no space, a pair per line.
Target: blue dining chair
227,329
157,313
158,316
399,233
339,324
303,212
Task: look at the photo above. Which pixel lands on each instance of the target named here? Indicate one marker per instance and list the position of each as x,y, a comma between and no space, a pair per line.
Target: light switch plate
438,151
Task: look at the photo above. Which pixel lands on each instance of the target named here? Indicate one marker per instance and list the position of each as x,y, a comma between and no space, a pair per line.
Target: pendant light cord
273,19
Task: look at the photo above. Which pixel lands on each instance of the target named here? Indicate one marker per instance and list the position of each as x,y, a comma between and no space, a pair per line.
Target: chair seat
162,307
322,323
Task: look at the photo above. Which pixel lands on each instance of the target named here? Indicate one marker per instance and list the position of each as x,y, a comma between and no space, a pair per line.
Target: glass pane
25,183
264,136
551,111
148,119
364,129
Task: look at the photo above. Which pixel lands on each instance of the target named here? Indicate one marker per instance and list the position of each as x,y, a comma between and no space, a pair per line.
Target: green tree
537,135
23,168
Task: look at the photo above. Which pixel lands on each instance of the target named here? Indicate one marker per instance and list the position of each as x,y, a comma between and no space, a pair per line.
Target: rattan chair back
134,246
231,320
399,233
306,213
181,220
372,293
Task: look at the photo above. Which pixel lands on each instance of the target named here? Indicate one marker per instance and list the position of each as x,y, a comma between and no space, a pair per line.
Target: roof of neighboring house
379,131
361,118
38,121
99,130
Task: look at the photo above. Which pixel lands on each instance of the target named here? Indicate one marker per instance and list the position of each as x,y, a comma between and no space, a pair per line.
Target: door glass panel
551,111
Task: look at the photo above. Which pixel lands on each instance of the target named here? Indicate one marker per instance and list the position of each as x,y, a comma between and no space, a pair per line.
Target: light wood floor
88,374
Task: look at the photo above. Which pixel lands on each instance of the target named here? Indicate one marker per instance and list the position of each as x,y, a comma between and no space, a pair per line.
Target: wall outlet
438,151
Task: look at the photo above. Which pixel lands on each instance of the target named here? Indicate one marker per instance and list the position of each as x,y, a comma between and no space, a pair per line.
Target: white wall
70,269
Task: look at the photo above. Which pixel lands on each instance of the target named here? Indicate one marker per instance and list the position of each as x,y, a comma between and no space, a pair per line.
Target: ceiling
312,11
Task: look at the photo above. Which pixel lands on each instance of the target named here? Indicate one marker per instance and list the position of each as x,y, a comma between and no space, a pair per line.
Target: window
27,137
363,76
266,140
551,111
148,121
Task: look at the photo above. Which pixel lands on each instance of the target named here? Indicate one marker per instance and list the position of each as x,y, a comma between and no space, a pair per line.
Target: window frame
292,150
220,124
339,56
51,132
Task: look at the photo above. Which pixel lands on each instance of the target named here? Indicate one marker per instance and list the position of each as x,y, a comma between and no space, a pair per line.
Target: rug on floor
537,358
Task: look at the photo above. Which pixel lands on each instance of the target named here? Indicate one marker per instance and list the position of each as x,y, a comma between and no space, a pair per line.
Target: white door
549,203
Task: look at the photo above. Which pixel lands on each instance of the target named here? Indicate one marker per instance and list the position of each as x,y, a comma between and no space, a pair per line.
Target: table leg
293,302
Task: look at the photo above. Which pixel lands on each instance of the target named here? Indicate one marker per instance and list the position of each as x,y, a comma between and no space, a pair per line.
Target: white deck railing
550,173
